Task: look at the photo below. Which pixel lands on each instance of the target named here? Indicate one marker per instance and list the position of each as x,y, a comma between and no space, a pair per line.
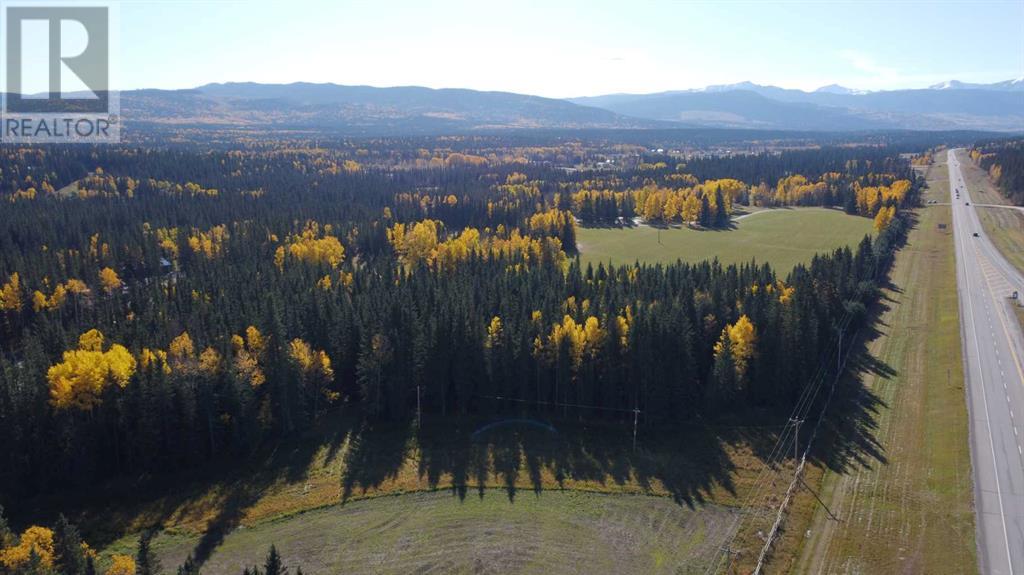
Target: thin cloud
869,66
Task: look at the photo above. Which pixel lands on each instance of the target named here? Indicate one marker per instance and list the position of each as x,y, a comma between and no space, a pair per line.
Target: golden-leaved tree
733,351
10,294
121,565
315,372
36,541
312,246
248,355
110,280
80,379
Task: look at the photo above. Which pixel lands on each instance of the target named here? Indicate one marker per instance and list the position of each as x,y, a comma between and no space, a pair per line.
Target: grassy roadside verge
1005,227
914,511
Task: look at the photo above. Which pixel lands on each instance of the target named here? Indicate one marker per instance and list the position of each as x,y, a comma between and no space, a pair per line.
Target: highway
993,349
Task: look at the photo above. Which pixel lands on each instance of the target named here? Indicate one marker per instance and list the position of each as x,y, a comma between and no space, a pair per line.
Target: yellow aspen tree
110,280
155,359
121,565
91,340
35,540
494,333
210,362
315,371
38,301
79,379
248,352
181,349
10,294
743,338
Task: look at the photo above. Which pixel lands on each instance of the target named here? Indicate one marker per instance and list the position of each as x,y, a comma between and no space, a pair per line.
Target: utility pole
839,356
636,416
796,437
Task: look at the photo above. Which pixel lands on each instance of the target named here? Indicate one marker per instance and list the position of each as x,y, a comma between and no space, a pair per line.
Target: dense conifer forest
164,307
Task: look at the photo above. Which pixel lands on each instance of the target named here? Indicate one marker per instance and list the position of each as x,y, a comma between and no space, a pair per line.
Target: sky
565,49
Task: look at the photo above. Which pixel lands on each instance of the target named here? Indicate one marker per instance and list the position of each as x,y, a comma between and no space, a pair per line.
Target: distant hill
410,110
362,109
734,109
951,105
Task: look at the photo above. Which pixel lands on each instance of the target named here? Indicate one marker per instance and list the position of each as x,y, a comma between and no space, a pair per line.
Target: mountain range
370,110
951,105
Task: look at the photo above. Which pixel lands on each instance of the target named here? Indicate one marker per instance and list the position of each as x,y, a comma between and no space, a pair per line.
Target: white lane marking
981,374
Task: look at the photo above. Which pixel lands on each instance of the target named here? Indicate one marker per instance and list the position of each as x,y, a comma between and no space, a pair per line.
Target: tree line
1004,162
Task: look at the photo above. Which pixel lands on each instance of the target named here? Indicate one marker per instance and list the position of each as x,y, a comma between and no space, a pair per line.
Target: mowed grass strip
781,237
1004,226
912,513
561,532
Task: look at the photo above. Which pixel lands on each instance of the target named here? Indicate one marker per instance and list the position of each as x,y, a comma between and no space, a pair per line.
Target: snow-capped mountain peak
837,89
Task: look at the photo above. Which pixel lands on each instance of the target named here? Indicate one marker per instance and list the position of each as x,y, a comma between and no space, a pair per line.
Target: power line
556,403
803,405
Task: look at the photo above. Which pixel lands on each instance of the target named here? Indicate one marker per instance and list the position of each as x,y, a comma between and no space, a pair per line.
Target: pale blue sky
563,49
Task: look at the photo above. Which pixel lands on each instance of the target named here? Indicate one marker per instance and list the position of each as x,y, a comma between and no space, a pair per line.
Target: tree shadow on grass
219,494
687,462
288,462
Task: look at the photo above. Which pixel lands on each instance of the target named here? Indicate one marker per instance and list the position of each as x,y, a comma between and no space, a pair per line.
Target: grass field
1005,227
912,513
400,495
551,532
781,237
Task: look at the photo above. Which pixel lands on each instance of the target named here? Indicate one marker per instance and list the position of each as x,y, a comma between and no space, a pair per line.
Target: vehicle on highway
975,234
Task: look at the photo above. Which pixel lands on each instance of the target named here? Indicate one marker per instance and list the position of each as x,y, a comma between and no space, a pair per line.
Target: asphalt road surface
993,350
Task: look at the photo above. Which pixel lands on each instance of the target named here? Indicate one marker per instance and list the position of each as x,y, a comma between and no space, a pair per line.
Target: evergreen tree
724,385
273,565
7,536
705,217
146,562
69,557
189,567
721,215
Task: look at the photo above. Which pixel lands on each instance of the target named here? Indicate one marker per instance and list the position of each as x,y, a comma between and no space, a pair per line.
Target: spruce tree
146,562
189,567
69,557
273,565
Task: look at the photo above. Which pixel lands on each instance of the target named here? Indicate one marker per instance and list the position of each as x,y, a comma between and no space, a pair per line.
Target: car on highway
975,234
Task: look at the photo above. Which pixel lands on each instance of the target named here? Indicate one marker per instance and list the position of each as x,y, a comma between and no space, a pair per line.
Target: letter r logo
57,59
